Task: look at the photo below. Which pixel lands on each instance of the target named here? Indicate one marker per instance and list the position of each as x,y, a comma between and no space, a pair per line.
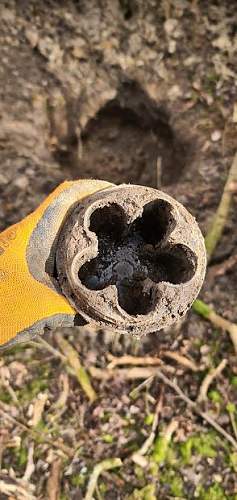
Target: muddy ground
126,91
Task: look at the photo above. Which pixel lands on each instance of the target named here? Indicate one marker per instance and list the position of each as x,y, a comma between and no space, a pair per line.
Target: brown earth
126,91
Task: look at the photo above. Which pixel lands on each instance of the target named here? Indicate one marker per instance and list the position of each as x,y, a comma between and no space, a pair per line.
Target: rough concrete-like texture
131,258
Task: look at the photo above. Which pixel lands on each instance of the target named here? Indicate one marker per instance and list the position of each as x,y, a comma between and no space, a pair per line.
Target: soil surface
126,91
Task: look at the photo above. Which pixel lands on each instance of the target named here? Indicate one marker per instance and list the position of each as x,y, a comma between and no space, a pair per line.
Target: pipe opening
131,257
176,265
108,222
156,222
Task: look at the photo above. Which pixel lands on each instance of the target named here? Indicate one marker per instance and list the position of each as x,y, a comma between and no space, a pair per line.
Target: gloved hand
29,294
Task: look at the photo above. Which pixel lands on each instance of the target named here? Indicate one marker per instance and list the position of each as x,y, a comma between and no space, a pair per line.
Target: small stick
207,381
231,411
182,360
149,441
150,360
193,405
134,393
74,362
38,409
105,465
53,483
30,466
126,373
34,433
220,218
208,313
60,406
43,343
132,360
16,489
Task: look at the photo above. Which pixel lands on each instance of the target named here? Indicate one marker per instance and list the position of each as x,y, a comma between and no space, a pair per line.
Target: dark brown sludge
131,258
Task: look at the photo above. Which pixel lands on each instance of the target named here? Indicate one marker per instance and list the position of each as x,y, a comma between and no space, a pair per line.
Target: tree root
220,218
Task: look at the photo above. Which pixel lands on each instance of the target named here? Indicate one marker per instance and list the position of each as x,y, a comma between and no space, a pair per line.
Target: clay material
131,258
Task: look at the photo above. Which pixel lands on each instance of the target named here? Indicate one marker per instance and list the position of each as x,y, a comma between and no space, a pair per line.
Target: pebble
3,180
32,36
216,135
205,349
218,478
170,25
21,182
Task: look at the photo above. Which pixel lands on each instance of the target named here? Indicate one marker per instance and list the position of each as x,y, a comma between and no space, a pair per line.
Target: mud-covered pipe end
131,258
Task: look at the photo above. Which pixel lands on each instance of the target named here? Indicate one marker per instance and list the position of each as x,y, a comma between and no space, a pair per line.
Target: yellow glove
29,295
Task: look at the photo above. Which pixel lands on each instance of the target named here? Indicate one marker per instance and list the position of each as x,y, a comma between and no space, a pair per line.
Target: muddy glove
30,297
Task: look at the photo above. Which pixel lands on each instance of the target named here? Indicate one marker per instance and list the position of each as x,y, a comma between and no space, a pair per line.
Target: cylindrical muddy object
130,258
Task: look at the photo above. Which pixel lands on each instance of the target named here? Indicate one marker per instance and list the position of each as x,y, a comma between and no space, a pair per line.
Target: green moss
41,427
233,460
108,438
31,389
163,451
233,380
146,493
176,486
153,468
160,450
215,397
22,456
214,492
172,479
78,480
149,419
231,408
103,488
18,348
17,456
210,83
106,417
139,472
201,444
5,396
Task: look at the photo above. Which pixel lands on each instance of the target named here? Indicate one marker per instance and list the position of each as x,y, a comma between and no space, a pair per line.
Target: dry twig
53,483
136,457
110,463
196,409
43,343
207,381
150,360
126,373
60,406
132,360
134,393
36,434
38,409
30,466
16,489
74,362
182,360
